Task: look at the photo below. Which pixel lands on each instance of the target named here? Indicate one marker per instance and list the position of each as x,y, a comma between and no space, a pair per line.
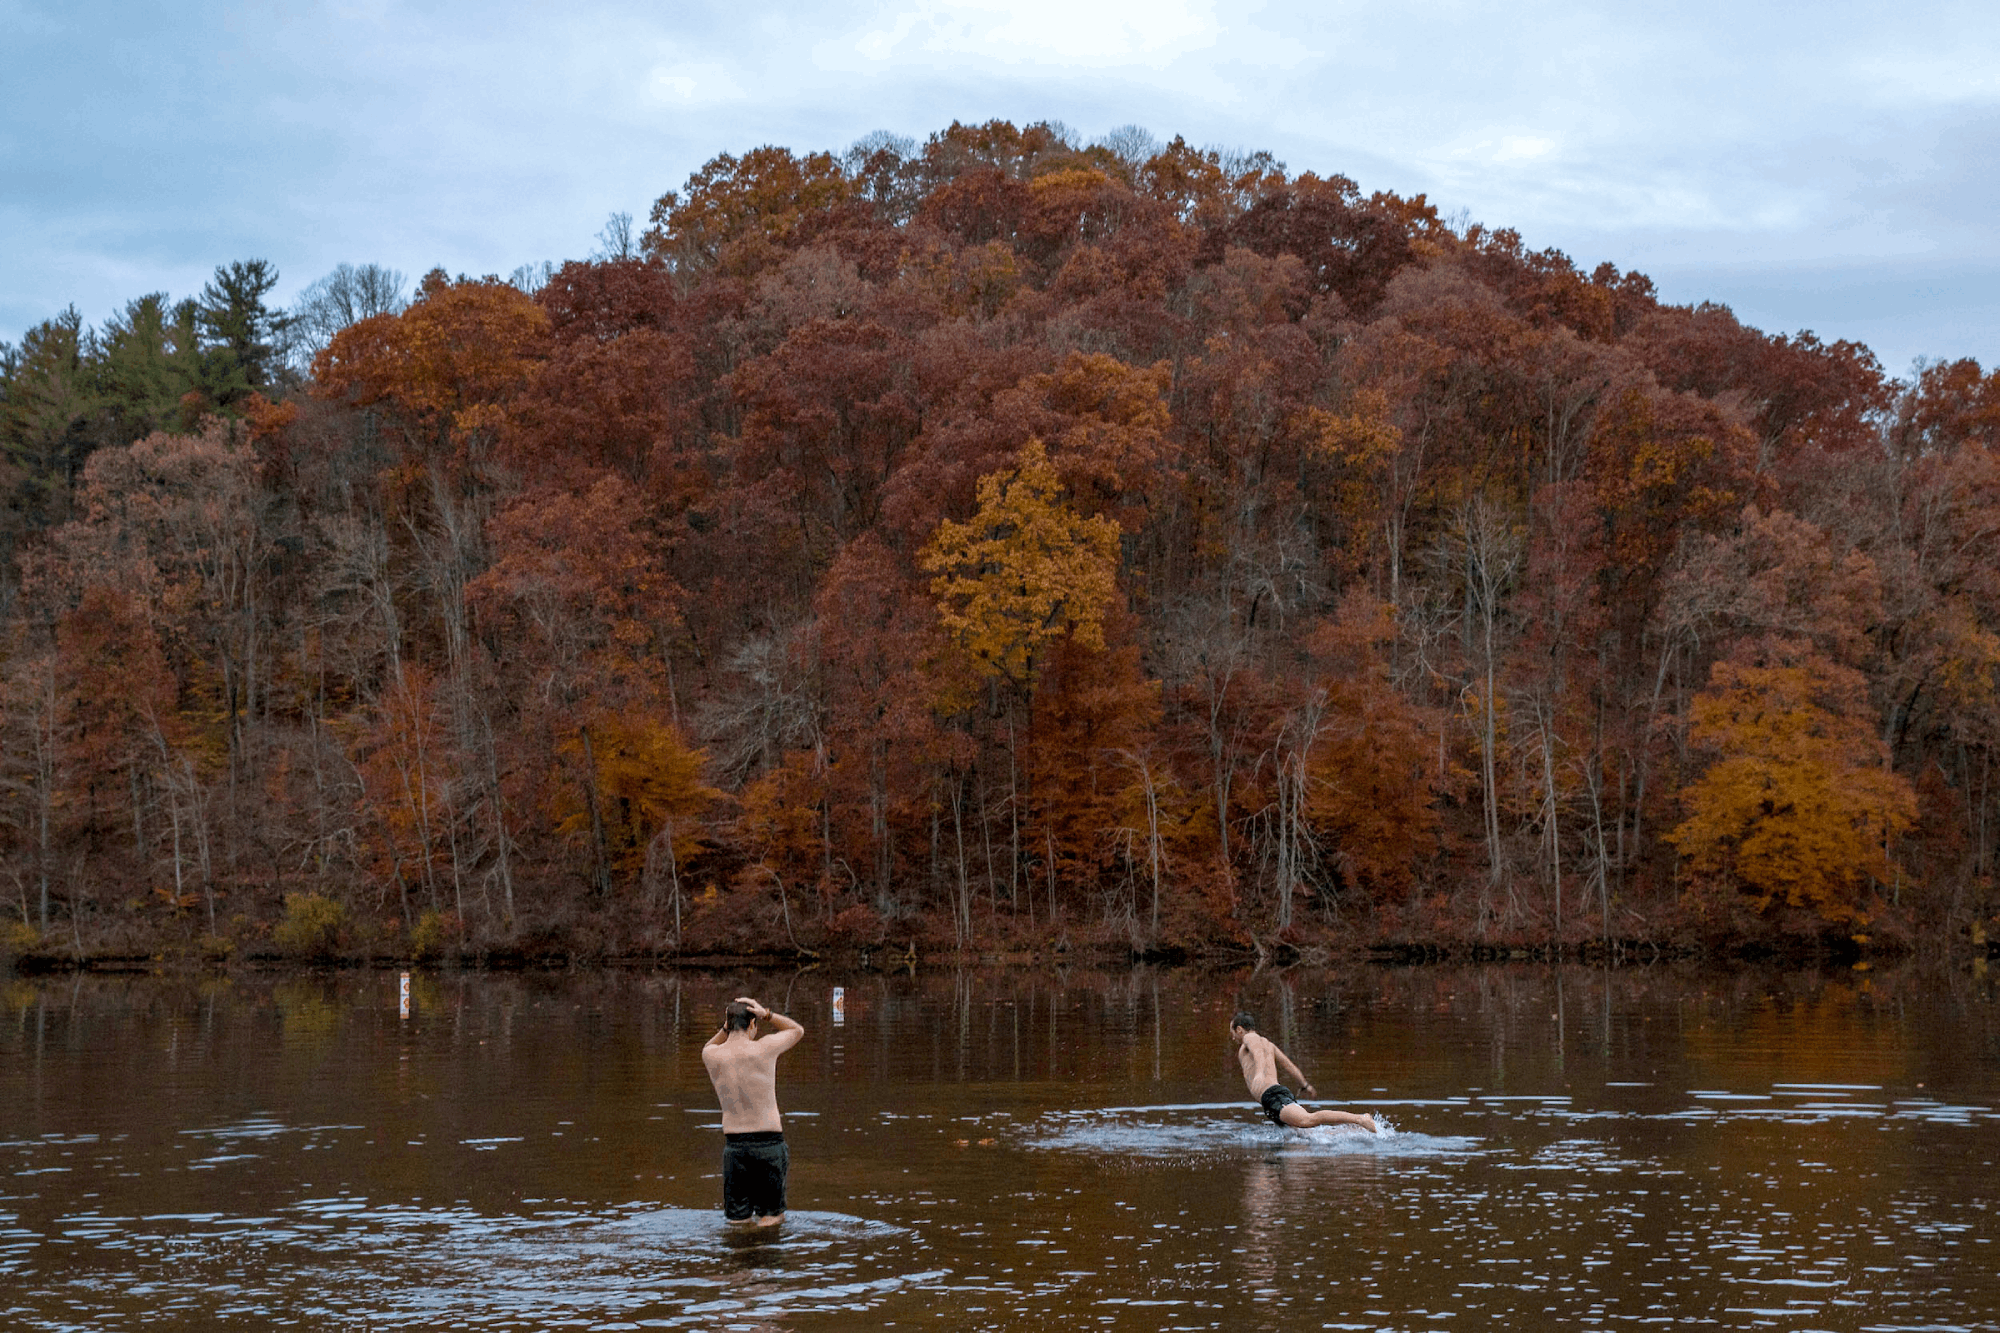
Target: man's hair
1244,1020
737,1017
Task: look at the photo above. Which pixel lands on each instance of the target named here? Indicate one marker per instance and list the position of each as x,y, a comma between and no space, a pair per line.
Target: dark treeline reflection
1415,1031
994,1148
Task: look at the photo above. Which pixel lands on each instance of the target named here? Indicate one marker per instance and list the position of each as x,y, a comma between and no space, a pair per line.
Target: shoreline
1282,956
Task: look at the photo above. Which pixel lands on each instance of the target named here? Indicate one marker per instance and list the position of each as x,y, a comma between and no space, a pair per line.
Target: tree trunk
674,878
498,807
1550,808
1013,819
961,909
45,783
596,816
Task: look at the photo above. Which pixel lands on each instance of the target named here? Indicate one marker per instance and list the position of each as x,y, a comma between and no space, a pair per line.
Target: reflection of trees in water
1263,1219
309,1010
1492,1025
1298,1211
1227,1203
1096,1037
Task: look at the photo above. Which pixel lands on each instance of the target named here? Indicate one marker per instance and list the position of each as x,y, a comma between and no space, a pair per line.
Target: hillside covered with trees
1001,543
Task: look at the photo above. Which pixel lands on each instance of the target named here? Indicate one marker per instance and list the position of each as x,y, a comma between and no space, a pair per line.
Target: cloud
144,144
696,83
1112,34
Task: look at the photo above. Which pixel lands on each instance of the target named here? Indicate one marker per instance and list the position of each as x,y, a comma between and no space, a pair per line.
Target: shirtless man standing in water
744,1068
1260,1058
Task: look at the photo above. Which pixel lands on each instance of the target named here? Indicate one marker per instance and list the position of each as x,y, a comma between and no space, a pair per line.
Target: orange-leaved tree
1798,804
766,192
579,585
117,700
785,823
651,779
451,364
1110,425
645,802
578,590
407,762
1097,797
1368,794
1026,571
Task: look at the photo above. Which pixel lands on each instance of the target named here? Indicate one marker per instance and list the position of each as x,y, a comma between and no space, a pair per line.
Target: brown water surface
987,1150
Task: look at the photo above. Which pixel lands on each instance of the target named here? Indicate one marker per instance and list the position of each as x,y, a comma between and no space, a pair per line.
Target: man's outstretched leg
1298,1117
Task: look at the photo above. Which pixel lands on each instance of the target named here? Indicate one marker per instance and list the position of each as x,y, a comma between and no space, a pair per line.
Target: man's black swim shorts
1275,1099
753,1175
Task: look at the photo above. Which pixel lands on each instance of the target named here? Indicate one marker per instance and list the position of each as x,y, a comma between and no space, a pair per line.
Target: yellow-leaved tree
1799,803
645,805
1025,571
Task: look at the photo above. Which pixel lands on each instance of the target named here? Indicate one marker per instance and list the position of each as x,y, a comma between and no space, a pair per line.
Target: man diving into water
1260,1058
744,1069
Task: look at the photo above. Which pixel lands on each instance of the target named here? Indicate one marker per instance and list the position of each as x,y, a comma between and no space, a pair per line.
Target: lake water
1006,1149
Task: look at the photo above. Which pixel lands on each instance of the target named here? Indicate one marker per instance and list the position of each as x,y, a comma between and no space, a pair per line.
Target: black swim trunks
1275,1099
753,1174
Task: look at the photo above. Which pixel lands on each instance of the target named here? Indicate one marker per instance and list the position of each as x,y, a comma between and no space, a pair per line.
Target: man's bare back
744,1069
743,1066
1260,1060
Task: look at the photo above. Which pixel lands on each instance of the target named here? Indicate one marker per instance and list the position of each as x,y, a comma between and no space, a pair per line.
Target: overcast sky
1827,166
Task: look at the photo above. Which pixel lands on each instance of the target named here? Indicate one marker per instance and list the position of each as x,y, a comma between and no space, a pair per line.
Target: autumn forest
1000,544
